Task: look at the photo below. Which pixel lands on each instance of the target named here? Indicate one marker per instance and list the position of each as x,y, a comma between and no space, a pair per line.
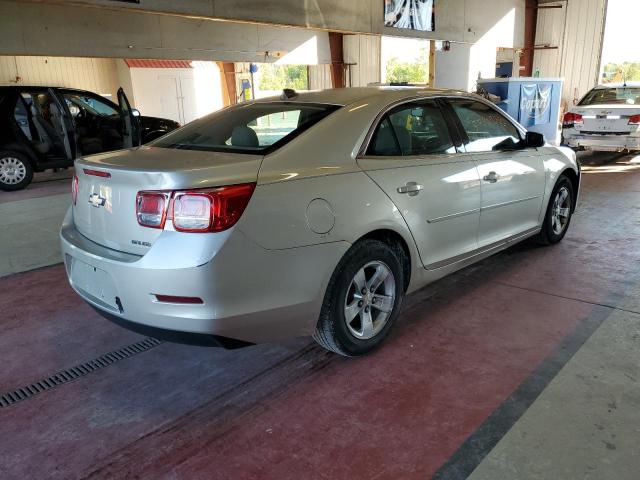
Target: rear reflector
174,299
634,120
151,209
96,173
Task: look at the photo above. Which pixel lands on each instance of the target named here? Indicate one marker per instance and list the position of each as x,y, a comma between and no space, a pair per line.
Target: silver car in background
308,214
606,119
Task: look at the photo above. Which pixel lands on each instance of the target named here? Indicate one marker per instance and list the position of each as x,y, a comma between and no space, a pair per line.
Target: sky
620,41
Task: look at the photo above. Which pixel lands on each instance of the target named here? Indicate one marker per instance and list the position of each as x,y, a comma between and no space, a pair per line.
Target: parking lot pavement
29,234
44,184
463,349
31,220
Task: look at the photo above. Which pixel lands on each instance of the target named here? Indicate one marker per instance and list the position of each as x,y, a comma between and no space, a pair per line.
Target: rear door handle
491,177
411,188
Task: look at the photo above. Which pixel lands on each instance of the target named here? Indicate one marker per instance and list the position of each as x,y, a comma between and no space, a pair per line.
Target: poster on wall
411,14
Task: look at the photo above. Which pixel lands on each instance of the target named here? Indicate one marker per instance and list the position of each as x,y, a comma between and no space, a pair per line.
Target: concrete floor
523,366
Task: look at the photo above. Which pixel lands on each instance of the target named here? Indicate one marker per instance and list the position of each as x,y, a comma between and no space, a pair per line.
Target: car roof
347,96
617,85
43,87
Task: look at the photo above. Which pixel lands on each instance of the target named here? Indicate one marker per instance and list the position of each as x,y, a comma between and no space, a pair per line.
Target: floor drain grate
73,373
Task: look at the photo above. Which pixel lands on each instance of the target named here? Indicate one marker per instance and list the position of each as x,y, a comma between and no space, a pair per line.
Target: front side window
487,129
78,103
612,96
251,128
412,129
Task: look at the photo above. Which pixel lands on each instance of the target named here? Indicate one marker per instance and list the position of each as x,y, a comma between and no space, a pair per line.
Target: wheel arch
398,242
575,183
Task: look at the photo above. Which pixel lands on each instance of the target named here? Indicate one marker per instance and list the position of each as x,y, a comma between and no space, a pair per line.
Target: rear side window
486,128
412,129
612,96
251,128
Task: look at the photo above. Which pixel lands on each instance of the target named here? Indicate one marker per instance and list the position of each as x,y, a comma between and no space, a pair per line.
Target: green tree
277,77
414,72
619,72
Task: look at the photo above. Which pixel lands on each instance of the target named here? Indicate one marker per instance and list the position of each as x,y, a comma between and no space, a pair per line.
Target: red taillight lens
211,210
74,189
96,173
151,208
634,120
572,119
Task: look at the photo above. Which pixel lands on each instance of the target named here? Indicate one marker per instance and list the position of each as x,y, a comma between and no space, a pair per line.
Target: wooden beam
432,62
337,59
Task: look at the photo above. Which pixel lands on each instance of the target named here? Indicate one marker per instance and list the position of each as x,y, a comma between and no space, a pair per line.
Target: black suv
44,127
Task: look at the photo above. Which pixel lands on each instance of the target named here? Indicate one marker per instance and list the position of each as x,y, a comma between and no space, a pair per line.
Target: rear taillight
212,210
571,120
634,120
151,208
74,189
198,211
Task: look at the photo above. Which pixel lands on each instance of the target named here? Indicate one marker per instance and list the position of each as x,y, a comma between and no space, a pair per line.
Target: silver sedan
309,214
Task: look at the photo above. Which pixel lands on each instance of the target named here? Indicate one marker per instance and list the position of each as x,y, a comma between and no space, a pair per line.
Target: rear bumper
249,293
612,143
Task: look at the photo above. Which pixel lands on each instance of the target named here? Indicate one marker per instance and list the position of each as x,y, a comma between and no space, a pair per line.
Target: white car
606,119
309,214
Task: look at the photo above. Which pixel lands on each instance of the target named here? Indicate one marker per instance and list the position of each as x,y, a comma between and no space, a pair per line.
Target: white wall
577,30
500,25
363,51
97,75
181,94
320,77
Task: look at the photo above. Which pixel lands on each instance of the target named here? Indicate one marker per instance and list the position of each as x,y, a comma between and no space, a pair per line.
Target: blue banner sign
535,104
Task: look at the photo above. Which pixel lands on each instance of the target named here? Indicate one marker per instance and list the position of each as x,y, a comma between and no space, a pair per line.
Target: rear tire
16,171
362,300
558,215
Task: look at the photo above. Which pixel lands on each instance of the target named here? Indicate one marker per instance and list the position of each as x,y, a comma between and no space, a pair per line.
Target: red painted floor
292,410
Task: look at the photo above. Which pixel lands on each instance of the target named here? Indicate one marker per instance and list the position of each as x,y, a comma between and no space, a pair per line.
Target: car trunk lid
105,208
607,119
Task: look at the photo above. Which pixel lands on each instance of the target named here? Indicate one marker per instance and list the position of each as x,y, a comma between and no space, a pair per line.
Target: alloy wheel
561,211
370,300
12,170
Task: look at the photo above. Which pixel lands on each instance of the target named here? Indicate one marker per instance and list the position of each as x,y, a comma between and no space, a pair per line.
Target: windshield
612,96
249,128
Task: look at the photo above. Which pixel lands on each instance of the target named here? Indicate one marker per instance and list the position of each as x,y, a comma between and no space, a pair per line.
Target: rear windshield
251,128
615,96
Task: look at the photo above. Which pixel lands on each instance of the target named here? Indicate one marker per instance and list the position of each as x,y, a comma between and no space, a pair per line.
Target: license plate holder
95,283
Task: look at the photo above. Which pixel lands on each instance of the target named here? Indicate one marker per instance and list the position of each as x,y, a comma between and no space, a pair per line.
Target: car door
512,176
412,156
63,123
131,133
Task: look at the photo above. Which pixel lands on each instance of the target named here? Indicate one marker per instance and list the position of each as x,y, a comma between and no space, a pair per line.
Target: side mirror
136,112
534,140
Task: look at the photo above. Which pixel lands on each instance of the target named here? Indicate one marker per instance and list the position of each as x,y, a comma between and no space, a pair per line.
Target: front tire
363,299
15,171
559,212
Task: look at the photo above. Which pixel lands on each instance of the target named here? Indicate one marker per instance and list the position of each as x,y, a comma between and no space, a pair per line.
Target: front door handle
411,188
491,177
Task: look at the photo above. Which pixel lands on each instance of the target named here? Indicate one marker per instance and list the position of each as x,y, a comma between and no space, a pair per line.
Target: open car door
62,122
131,131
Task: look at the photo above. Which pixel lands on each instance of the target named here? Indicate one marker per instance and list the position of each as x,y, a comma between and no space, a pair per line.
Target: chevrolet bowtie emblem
96,200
